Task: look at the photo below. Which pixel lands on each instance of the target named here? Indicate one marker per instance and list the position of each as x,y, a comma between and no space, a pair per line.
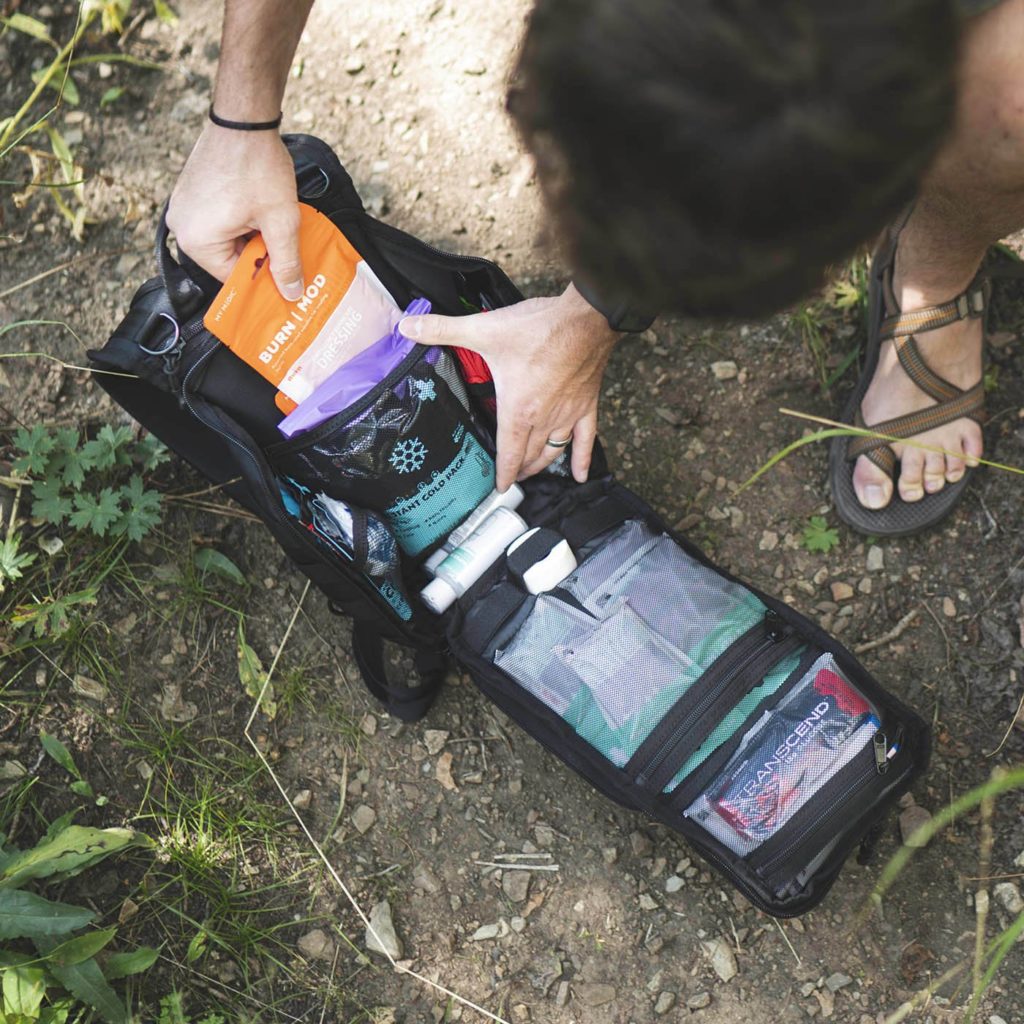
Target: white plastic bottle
496,499
471,559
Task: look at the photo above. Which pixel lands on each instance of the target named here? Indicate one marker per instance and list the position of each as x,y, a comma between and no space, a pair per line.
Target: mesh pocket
786,757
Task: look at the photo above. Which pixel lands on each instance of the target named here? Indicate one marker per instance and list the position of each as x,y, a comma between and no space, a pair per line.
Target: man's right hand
234,184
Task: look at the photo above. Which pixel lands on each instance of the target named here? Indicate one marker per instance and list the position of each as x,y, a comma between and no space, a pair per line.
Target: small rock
1009,896
911,820
609,854
303,799
424,879
562,993
521,1011
647,902
50,544
498,930
699,1001
876,559
641,844
666,1000
594,993
104,70
354,65
317,945
996,1019
827,1002
673,883
769,540
517,924
443,771
723,959
368,724
949,607
363,818
434,740
724,369
834,982
385,940
841,591
90,688
864,587
12,770
515,885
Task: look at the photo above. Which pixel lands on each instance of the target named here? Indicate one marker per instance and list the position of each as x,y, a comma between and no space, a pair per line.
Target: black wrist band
246,126
620,315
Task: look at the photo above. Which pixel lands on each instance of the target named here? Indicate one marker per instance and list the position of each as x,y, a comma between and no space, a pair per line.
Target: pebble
949,607
769,540
996,1019
666,1000
723,959
368,724
424,879
90,688
876,559
834,982
647,902
515,885
317,945
673,883
363,818
434,740
699,1001
641,844
11,770
562,993
354,65
518,924
385,941
724,369
594,993
498,930
841,591
1009,896
609,854
911,820
303,799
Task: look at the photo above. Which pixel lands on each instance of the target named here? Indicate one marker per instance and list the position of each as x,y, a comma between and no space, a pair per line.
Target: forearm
258,43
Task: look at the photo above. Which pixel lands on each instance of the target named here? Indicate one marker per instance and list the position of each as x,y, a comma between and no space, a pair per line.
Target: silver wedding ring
558,444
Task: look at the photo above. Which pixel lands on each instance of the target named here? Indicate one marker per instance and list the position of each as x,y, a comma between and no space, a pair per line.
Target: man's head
716,156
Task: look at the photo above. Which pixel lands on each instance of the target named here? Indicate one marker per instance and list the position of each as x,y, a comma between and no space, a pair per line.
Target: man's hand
236,183
547,357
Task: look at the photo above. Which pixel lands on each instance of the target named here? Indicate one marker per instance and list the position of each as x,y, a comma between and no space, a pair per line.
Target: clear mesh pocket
788,756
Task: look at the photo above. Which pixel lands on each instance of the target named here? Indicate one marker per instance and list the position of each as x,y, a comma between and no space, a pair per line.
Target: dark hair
716,156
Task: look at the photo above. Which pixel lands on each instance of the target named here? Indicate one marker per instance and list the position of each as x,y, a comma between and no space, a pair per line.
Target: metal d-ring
173,342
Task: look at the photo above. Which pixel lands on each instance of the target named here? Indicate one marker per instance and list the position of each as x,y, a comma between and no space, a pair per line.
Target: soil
411,96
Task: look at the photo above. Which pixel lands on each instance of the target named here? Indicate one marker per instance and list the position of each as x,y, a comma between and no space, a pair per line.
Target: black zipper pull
881,745
777,629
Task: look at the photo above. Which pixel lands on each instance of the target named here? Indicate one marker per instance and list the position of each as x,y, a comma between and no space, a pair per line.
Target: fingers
513,437
280,230
433,329
583,437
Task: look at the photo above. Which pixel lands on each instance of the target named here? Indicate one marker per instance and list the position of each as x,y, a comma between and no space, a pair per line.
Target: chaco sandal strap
968,304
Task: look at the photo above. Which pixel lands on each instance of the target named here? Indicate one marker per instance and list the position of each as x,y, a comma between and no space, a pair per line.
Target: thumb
281,236
433,329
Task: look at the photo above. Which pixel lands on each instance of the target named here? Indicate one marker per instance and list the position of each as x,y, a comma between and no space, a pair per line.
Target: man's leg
972,197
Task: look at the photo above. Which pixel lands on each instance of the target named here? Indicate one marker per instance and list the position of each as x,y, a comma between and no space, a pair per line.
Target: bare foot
953,352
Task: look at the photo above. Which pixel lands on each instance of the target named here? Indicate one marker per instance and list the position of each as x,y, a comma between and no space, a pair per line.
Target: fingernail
874,496
411,327
292,291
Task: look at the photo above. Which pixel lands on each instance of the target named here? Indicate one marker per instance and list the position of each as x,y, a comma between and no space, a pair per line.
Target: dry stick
1009,728
945,635
400,968
64,266
981,898
67,366
992,878
515,866
782,930
893,634
924,995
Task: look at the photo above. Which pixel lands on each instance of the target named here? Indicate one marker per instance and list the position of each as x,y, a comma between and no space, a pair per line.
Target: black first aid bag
674,688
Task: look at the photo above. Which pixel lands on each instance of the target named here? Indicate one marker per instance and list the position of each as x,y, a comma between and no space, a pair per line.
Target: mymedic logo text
291,325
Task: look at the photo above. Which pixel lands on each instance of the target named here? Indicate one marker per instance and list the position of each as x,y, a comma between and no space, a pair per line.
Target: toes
872,486
934,471
972,444
911,482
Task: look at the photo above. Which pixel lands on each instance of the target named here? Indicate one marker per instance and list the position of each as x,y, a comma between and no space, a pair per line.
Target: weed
819,536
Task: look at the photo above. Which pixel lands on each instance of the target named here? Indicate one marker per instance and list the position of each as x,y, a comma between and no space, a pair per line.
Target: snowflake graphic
407,456
424,389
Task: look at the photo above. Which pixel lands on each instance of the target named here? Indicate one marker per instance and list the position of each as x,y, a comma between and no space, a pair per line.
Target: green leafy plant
90,486
80,787
819,536
172,1011
50,959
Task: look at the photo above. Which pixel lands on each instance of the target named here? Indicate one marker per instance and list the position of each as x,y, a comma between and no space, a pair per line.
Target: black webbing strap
483,621
586,523
409,703
534,549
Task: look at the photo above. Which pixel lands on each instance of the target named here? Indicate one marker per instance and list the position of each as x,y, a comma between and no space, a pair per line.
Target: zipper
760,649
835,804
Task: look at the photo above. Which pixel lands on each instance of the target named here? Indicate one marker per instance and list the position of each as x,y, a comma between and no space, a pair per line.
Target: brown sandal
886,321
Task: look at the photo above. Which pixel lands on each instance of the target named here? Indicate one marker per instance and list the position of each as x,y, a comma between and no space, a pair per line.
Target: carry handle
184,294
408,703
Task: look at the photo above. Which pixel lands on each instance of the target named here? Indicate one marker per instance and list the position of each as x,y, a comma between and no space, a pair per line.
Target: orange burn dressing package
298,345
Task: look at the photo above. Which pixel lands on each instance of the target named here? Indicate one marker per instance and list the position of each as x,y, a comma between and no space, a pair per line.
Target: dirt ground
411,96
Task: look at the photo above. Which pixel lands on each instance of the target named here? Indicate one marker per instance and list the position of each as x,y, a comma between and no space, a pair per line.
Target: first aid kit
672,686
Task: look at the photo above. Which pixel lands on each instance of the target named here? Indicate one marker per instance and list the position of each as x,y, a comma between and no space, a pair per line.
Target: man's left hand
547,357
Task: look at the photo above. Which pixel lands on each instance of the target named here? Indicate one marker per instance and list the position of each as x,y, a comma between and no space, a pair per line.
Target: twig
522,856
342,796
62,266
992,878
924,995
54,359
205,490
515,867
1009,728
981,897
209,506
897,631
782,931
942,630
